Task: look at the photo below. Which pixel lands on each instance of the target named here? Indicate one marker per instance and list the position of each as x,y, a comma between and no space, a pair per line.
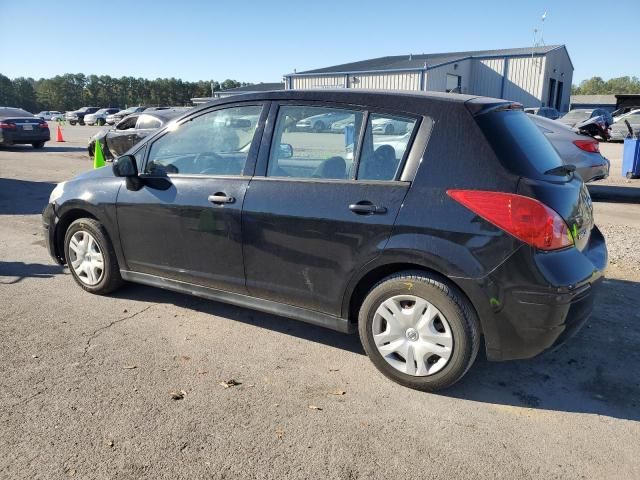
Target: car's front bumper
536,300
49,223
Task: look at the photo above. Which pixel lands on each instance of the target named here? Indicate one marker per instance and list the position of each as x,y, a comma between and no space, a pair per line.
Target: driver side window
216,143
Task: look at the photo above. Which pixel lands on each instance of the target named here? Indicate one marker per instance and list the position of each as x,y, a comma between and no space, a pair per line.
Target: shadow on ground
595,372
47,148
23,197
15,272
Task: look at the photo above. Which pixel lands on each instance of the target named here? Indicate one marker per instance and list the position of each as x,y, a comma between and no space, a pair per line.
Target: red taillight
43,125
6,125
525,218
591,146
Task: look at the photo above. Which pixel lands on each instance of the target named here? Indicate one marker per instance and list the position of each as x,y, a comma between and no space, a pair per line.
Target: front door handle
366,208
220,198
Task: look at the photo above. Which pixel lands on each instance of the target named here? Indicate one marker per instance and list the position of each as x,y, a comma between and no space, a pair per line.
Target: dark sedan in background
579,115
130,130
18,126
114,118
575,149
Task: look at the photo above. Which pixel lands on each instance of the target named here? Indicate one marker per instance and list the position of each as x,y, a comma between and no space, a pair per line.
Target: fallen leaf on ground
175,395
314,407
334,369
129,367
337,392
280,433
230,383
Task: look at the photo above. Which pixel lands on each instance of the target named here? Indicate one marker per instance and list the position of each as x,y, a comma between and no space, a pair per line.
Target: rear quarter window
520,145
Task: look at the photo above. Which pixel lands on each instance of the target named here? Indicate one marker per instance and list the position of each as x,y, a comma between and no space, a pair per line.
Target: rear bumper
535,301
9,137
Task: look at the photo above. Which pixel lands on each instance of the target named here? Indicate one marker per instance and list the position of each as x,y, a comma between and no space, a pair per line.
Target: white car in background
389,126
49,115
100,117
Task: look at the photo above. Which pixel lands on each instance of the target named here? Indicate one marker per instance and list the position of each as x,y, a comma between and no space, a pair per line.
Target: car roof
400,100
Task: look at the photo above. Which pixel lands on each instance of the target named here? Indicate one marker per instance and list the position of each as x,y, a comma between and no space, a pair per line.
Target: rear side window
148,122
385,144
521,146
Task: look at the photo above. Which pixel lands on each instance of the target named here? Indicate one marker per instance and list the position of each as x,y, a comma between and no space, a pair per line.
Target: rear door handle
220,198
366,208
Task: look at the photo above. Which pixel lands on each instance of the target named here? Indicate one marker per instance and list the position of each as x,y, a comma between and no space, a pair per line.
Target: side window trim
255,143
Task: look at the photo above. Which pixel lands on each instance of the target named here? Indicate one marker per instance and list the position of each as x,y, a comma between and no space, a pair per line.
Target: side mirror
286,150
125,166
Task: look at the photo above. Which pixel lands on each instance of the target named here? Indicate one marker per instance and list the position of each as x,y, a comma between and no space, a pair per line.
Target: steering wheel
202,162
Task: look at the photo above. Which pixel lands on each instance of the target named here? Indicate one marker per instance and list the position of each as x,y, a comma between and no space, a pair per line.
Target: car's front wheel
91,257
419,330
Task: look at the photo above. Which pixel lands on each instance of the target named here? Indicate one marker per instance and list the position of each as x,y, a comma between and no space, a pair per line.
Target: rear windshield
521,146
577,115
14,112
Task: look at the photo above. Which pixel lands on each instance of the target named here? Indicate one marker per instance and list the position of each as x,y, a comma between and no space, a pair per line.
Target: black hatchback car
467,225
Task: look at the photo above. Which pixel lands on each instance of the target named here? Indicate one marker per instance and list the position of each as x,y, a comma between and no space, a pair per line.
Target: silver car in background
575,149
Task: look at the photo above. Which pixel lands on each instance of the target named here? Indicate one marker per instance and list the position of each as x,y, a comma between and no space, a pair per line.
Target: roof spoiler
482,105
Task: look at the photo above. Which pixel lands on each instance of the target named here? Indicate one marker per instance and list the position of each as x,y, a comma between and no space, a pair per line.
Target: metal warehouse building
534,76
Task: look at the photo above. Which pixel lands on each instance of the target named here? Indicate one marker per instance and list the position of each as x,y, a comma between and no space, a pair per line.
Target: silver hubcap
86,258
412,335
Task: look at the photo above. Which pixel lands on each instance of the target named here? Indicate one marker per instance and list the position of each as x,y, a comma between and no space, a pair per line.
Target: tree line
74,90
598,86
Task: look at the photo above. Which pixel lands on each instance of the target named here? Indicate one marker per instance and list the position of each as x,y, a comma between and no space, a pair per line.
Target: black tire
38,144
111,279
455,307
318,127
81,122
72,123
388,130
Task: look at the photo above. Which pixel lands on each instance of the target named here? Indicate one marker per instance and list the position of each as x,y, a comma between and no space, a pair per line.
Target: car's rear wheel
38,144
419,330
91,257
72,123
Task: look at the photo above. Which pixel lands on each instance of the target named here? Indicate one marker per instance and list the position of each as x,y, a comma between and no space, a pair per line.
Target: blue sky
261,41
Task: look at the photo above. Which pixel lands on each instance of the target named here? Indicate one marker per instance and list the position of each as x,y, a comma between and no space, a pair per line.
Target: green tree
598,86
7,94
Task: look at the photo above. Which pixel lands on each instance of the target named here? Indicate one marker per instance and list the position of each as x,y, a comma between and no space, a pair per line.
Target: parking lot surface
87,381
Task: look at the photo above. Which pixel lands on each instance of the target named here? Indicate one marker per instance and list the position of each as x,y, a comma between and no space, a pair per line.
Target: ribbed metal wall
524,80
386,81
320,81
486,77
437,77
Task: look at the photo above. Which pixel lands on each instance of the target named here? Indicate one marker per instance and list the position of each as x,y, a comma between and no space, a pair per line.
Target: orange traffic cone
59,135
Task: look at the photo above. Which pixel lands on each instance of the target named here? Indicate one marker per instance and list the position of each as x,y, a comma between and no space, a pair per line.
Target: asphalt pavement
140,384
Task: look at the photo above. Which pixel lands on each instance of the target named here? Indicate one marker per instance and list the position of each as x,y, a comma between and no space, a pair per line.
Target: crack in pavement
96,333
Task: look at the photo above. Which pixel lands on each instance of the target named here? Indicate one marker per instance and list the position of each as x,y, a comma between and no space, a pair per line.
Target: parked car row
131,129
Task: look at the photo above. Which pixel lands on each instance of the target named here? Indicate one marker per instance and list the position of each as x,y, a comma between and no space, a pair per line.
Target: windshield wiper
561,170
